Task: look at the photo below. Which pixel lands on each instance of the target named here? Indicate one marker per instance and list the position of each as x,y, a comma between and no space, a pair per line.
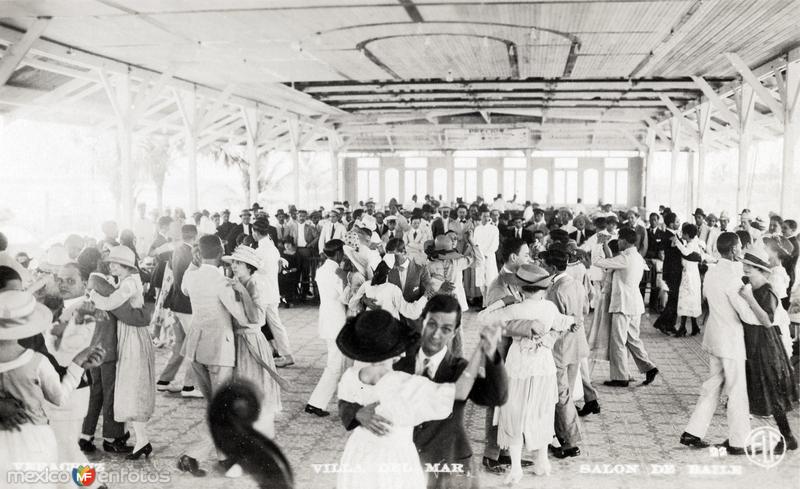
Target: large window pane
471,192
416,162
609,187
540,184
392,183
369,162
566,162
591,186
422,183
489,184
622,187
559,186
459,184
440,184
410,186
572,187
515,183
465,162
515,162
363,185
616,163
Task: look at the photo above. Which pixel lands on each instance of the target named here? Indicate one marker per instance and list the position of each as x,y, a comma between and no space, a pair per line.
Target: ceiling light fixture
511,50
449,77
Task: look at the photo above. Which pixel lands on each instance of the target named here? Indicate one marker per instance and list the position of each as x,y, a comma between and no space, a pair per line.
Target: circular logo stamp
760,447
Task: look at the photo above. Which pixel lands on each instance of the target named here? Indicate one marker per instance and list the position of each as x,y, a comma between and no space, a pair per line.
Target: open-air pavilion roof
401,74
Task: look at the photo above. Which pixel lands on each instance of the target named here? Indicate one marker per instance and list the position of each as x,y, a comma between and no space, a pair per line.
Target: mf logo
760,447
84,475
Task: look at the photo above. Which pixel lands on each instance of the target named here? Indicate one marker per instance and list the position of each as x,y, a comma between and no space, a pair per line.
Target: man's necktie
333,230
426,371
415,235
519,233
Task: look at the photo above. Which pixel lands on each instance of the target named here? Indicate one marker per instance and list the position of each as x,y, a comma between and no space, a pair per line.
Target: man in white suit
332,229
487,238
332,287
724,341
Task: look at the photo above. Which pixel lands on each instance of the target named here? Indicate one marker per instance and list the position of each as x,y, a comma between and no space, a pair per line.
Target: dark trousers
307,272
650,277
101,399
666,321
491,448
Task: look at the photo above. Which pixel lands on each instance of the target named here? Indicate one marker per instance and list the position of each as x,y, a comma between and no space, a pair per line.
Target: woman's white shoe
513,477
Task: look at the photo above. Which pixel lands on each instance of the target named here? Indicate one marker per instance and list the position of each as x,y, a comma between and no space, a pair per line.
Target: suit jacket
586,235
311,234
210,338
417,280
438,226
569,296
224,229
672,256
527,235
446,440
790,263
176,300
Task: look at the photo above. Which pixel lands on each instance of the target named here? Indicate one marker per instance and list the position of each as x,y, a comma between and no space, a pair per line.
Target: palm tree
153,155
234,156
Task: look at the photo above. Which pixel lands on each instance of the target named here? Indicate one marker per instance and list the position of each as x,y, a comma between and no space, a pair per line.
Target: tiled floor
637,431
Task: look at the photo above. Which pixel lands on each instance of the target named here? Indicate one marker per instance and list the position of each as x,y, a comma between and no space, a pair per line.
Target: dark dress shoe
650,376
493,466
567,452
591,407
117,446
616,383
695,331
692,441
506,460
145,450
87,445
680,333
316,411
729,449
188,464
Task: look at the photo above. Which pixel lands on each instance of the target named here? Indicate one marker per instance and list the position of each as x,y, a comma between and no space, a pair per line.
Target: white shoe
543,469
195,393
234,472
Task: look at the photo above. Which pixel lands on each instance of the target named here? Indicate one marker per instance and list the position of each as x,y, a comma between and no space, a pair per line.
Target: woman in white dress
135,385
689,295
529,415
376,340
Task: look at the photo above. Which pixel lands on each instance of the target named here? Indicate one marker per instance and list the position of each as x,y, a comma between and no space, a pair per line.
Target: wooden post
252,126
647,164
791,131
675,148
745,99
125,138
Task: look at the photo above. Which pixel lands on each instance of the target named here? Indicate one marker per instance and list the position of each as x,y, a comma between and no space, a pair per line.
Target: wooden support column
252,126
647,164
703,120
675,148
188,105
451,179
125,139
294,136
334,157
745,99
789,85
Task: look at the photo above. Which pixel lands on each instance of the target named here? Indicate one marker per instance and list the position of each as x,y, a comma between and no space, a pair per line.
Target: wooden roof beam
16,52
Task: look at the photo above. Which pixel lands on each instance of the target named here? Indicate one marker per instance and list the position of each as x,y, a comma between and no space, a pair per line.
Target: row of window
422,162
515,181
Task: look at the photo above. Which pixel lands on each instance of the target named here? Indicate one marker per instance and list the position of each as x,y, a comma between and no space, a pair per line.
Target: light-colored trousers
567,427
625,338
182,324
278,330
334,368
729,375
589,392
209,379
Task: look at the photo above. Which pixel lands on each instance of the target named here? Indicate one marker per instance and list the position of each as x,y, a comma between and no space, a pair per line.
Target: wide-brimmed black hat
375,336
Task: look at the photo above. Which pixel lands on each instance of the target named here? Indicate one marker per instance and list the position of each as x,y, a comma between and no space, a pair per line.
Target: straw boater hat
375,336
757,257
532,274
21,316
244,254
56,257
121,255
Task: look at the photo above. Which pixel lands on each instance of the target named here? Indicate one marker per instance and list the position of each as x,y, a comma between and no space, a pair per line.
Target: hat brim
542,282
111,259
36,322
760,266
232,258
346,341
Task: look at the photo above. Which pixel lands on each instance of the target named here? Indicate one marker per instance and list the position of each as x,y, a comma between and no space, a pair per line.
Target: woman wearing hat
376,340
254,360
529,415
771,389
29,378
779,280
135,391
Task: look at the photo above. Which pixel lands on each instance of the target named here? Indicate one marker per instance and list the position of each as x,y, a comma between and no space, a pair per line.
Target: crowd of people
555,292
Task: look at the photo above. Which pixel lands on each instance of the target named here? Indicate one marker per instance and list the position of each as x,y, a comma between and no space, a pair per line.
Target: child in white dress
135,386
375,340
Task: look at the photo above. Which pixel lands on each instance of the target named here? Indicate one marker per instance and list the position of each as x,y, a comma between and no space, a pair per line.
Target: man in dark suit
161,257
581,234
519,232
441,224
178,302
225,228
306,237
441,444
671,273
244,228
